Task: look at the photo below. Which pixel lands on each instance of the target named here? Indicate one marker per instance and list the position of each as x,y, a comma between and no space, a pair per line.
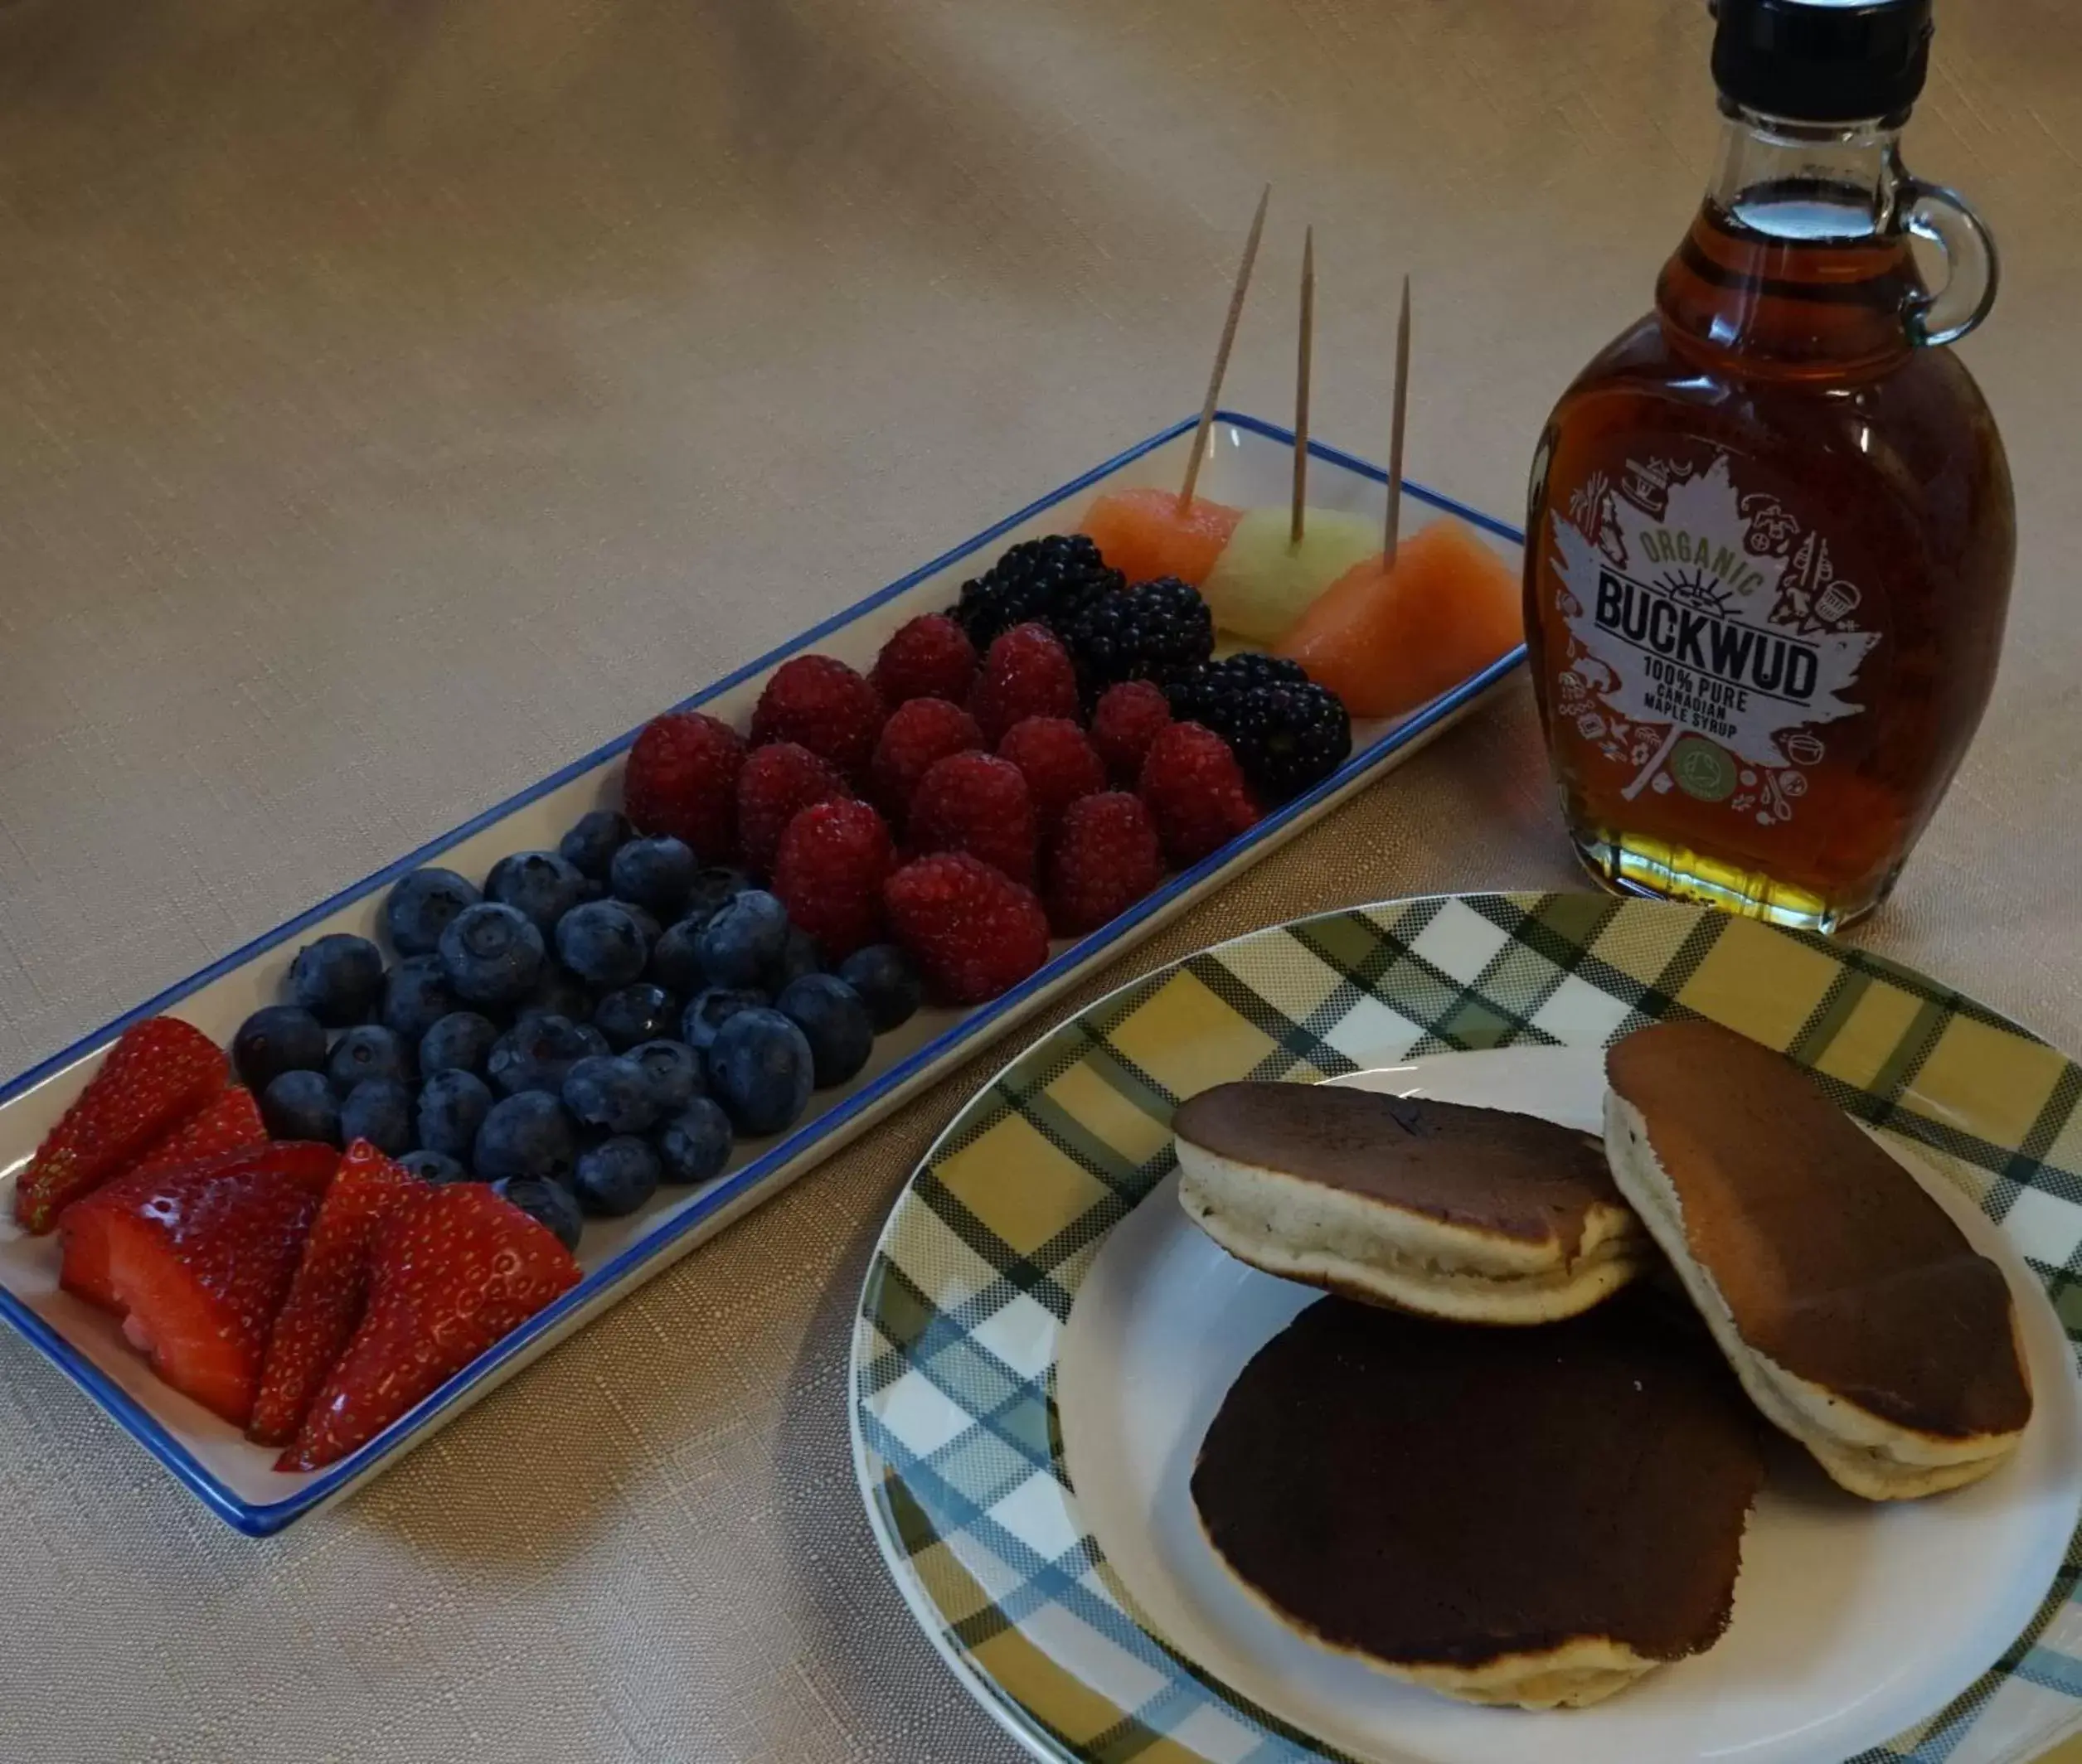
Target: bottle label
1711,640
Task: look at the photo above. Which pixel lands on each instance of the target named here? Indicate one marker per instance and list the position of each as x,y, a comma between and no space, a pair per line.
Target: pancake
1528,1517
1476,1215
1858,1317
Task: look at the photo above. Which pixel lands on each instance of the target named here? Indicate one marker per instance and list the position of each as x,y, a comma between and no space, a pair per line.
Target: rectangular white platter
1249,464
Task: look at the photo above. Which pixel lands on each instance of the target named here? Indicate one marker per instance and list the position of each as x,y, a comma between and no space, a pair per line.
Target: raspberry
976,803
1106,858
681,780
1027,672
1125,722
833,859
822,703
917,733
1195,792
776,784
930,657
973,931
1057,763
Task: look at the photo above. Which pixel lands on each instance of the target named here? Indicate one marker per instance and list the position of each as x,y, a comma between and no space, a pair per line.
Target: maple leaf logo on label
1700,616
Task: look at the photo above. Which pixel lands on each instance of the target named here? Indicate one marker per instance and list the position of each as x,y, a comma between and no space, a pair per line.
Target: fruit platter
286,1219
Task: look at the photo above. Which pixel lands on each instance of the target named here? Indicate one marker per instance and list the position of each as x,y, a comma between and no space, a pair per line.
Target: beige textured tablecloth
397,400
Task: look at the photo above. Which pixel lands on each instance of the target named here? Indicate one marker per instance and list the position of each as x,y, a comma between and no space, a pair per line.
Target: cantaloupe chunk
1387,640
1144,534
1264,582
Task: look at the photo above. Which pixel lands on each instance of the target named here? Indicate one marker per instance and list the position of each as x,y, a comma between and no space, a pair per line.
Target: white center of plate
1853,1621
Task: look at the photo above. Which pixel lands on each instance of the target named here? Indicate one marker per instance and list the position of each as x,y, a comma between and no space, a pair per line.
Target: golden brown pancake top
1485,1168
1431,1494
1832,1258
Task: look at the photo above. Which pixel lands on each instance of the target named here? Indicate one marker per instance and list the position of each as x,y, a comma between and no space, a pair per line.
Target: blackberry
1160,631
1048,579
1203,695
1287,732
1289,738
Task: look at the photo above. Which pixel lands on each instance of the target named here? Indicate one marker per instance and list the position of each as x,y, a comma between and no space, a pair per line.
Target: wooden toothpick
1393,531
1301,383
1199,453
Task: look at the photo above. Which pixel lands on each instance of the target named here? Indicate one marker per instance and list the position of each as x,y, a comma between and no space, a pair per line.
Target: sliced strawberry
230,1124
159,1073
455,1268
83,1230
327,1297
199,1256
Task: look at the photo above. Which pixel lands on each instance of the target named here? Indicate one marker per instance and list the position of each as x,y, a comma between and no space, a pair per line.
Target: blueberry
380,1110
712,1009
591,845
493,954
369,1051
538,884
673,1071
799,956
642,1012
654,873
616,1176
740,945
452,1106
537,1052
559,993
529,1135
420,906
589,889
415,997
601,943
275,1040
714,888
460,1042
300,1105
760,1069
887,982
338,979
433,1166
548,1203
834,1022
646,921
611,1094
696,1145
676,958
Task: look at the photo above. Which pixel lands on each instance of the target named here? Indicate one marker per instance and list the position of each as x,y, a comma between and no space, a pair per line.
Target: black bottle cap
1822,60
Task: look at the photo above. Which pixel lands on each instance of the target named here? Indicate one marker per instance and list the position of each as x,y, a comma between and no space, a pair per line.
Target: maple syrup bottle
1771,530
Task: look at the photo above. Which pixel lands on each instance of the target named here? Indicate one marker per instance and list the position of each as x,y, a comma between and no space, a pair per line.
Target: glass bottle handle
1972,270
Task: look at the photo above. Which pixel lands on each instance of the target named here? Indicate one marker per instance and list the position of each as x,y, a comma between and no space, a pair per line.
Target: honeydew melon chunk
1264,582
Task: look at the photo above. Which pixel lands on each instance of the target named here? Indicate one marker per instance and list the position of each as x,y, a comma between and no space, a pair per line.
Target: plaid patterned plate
956,1436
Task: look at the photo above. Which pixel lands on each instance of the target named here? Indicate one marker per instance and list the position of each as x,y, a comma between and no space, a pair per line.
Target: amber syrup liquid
1791,352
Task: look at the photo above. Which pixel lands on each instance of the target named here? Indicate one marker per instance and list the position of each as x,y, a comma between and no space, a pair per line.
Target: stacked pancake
1857,1316
1475,1215
1531,1517
1539,1511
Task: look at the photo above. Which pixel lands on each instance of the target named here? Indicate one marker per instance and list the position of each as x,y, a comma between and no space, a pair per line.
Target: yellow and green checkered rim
955,1347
